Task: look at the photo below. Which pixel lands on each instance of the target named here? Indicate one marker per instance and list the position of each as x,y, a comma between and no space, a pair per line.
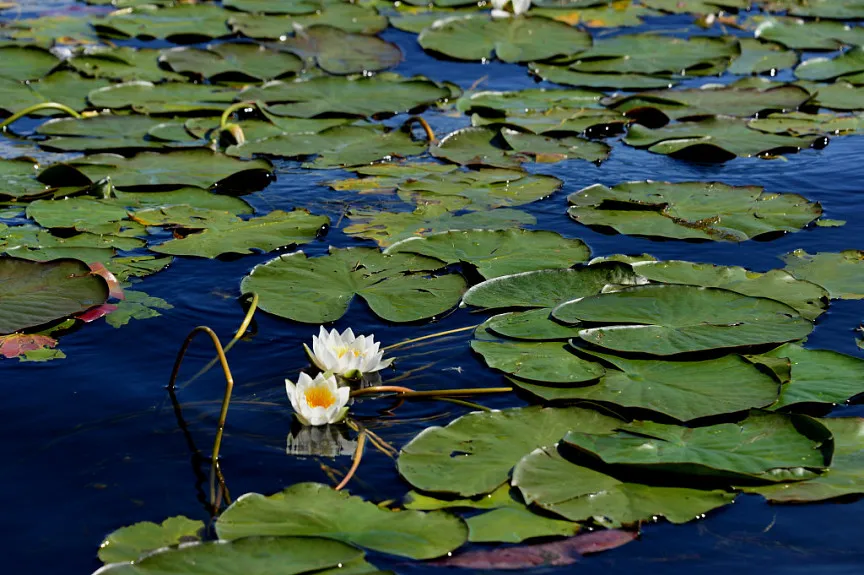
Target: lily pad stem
226,115
358,455
226,399
408,392
247,319
35,108
430,134
430,336
463,403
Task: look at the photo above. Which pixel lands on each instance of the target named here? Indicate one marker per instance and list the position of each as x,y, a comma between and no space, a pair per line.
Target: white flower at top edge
346,355
519,7
318,401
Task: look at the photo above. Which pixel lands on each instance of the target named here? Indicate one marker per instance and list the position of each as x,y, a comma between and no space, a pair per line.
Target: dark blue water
92,443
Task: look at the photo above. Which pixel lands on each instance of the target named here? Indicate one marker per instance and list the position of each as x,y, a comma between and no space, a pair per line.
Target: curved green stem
226,399
223,121
430,336
35,108
358,455
430,134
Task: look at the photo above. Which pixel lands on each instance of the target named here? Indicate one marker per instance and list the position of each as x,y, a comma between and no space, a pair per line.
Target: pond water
92,442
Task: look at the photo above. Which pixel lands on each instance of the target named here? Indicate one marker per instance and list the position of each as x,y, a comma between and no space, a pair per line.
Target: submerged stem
35,108
430,336
463,403
380,389
358,455
226,399
430,134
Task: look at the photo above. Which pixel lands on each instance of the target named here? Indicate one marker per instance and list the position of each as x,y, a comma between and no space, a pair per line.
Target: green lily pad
845,477
476,147
683,390
19,179
339,52
695,6
758,57
691,210
36,244
37,293
45,30
498,252
274,230
103,132
282,7
575,120
80,213
136,305
123,63
339,516
337,146
347,96
611,15
483,189
64,87
219,60
839,96
579,493
607,80
824,69
801,124
183,22
656,54
398,288
350,18
478,37
671,319
713,138
532,325
128,267
198,168
551,362
26,62
764,446
495,500
809,299
547,288
834,9
816,375
798,34
491,103
387,228
172,97
729,100
549,149
276,555
130,543
514,525
474,453
842,274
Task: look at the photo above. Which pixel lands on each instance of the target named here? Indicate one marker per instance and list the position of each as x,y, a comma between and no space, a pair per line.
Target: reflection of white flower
346,355
318,401
519,7
324,441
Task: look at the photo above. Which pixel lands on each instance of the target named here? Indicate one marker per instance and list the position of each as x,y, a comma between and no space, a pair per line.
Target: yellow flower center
319,396
343,350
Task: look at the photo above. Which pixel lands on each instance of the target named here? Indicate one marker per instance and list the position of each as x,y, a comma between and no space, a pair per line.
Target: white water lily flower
519,7
318,401
346,355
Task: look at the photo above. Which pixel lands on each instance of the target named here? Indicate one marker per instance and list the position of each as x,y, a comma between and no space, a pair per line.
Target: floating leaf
282,555
245,60
339,516
172,97
555,553
339,52
283,7
547,288
801,124
399,288
474,453
532,325
809,299
845,477
45,29
136,305
188,22
798,34
549,149
608,80
198,168
19,179
684,390
765,446
578,493
490,103
478,37
691,210
576,120
842,274
671,319
122,63
495,500
387,228
103,132
345,96
476,146
25,62
498,253
613,14
130,543
758,57
514,525
37,293
64,87
21,344
823,69
715,138
551,362
274,230
343,16
839,96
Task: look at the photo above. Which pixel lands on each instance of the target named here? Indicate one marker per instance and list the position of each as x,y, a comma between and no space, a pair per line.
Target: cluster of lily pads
627,359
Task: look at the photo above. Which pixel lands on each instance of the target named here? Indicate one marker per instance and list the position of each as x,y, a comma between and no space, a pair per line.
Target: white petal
500,14
521,6
291,389
499,4
348,335
342,396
